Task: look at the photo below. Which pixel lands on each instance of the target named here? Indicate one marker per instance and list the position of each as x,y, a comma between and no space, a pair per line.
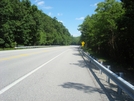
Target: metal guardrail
123,84
27,47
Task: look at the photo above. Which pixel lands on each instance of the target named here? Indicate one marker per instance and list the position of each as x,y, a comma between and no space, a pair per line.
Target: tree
6,33
99,31
24,24
126,30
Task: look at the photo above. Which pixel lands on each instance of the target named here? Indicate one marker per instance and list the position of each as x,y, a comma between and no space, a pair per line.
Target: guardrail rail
28,47
123,84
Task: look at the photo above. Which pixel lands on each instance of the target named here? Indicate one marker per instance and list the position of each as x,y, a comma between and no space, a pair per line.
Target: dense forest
24,24
110,31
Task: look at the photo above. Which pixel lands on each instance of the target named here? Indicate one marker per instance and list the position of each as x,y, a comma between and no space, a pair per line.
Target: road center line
28,74
20,55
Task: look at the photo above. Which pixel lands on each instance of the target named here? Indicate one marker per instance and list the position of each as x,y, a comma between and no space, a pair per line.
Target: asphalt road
47,74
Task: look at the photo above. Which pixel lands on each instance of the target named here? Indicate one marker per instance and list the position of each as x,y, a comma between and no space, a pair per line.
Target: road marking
13,57
28,74
21,55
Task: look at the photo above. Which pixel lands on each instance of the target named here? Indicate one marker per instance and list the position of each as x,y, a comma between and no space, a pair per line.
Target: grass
3,49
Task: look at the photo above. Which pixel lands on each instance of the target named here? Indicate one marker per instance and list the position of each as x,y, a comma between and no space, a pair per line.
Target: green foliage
109,31
126,32
24,24
76,40
42,38
2,42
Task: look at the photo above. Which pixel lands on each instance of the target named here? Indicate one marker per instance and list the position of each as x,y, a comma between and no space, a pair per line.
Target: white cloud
50,14
59,14
41,3
48,7
60,21
36,0
94,5
81,18
77,33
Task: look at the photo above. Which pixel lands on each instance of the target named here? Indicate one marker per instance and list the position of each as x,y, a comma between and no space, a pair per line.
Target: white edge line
28,74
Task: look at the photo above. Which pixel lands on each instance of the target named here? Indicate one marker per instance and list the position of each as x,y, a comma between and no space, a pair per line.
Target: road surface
47,74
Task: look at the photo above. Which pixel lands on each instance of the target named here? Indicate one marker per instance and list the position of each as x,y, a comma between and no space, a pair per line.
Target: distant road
46,74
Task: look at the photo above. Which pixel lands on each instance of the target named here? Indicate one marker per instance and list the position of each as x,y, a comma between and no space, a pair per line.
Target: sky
70,12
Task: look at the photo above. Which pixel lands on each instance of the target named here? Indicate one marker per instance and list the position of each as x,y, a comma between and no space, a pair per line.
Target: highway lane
15,64
46,74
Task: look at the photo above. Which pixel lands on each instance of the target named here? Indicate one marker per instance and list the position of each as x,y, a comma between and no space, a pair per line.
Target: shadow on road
80,64
81,87
108,88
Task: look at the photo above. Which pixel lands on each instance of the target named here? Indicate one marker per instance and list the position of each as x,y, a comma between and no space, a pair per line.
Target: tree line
110,31
24,24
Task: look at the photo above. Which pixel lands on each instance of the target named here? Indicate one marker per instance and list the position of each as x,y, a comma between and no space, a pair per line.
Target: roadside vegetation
24,24
109,33
76,40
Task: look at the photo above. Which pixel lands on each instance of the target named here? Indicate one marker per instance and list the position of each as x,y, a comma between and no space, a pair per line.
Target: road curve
47,74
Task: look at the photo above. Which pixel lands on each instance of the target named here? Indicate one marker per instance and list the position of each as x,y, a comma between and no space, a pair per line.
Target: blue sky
70,12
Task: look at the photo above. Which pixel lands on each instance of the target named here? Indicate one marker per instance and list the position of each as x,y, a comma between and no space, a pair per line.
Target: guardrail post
108,78
100,69
119,91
